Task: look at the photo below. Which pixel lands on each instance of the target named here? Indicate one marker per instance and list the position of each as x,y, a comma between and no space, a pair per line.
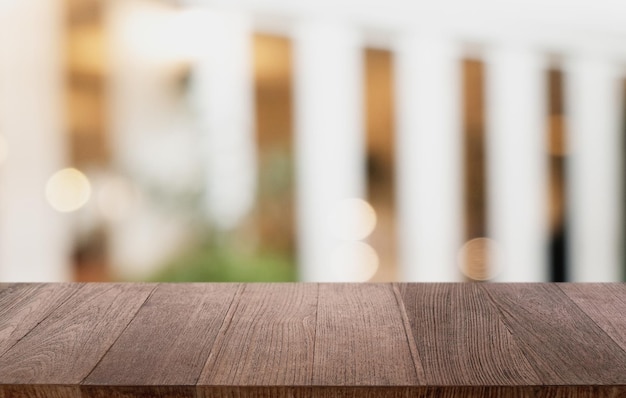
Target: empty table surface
299,340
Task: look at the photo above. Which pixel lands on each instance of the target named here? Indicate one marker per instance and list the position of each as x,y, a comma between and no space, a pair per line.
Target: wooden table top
300,340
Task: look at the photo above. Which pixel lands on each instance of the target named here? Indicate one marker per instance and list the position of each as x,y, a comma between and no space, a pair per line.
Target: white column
429,154
517,164
34,240
153,141
329,141
593,107
224,89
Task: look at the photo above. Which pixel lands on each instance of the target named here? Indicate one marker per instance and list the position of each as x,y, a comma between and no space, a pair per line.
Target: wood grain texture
45,391
136,391
460,337
23,306
66,345
319,392
39,391
268,338
419,392
605,304
167,343
312,340
361,339
560,341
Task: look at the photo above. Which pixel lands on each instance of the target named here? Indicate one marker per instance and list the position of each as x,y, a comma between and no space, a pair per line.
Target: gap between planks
121,333
221,334
417,362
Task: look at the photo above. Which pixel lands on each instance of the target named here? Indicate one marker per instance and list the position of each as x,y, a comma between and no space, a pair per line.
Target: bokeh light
68,190
474,259
357,259
352,219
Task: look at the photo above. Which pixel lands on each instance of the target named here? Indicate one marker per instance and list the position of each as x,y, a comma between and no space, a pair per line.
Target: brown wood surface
23,306
361,338
560,341
66,345
168,341
312,340
605,304
267,339
461,338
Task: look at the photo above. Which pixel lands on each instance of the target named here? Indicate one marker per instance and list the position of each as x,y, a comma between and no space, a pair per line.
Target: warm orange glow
474,259
557,145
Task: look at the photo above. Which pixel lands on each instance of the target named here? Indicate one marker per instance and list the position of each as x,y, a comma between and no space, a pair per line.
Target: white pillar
517,164
224,89
34,240
329,141
593,104
429,157
153,140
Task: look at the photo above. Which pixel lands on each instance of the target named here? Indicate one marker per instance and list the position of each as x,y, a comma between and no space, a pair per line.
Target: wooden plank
302,340
605,304
423,392
39,391
268,340
460,337
65,346
168,342
560,341
17,391
361,338
23,306
136,391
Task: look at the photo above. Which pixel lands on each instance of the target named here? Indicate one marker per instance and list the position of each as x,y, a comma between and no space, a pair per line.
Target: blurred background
272,140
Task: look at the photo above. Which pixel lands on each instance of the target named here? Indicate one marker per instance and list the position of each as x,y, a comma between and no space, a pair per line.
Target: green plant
217,263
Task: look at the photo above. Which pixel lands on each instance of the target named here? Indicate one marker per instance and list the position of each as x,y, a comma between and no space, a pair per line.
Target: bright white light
188,32
158,33
352,219
68,190
151,32
357,259
116,197
475,259
4,150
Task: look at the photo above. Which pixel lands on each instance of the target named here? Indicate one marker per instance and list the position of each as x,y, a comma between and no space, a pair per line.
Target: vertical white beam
428,158
149,133
594,183
34,240
329,142
224,91
517,164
